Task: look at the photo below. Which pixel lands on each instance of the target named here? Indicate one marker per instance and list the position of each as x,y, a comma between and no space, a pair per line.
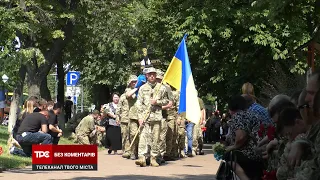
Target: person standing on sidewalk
68,109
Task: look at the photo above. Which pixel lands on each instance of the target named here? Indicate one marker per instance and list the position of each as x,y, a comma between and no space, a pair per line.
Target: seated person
86,129
28,132
54,130
291,124
242,141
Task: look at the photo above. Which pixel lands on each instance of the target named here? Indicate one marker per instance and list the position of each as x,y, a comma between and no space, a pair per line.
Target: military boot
126,155
153,162
141,161
182,154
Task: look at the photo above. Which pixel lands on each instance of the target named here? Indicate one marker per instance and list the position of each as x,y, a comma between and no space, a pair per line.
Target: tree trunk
60,96
60,75
16,98
44,90
101,95
34,86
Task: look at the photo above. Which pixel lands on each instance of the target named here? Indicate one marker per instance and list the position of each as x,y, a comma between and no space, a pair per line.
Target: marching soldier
173,125
86,130
133,116
168,125
197,134
181,136
122,113
151,98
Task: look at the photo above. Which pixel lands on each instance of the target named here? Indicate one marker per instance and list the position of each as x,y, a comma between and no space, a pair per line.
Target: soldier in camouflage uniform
122,113
181,136
172,133
151,98
197,133
86,130
99,134
166,116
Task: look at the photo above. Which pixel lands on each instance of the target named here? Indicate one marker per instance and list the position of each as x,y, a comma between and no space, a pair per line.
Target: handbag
225,171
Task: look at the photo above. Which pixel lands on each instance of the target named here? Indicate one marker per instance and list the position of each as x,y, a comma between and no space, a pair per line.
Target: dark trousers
55,140
33,138
67,116
252,168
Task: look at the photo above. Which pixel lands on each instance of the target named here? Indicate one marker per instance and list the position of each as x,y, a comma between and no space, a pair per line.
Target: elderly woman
242,140
113,130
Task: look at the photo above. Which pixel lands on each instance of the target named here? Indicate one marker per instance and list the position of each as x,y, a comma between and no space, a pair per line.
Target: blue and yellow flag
179,76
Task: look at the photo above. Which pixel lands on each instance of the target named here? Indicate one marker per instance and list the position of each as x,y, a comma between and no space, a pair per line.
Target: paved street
117,168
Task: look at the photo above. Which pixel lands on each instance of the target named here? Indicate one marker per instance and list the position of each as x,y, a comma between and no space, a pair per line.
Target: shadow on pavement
142,177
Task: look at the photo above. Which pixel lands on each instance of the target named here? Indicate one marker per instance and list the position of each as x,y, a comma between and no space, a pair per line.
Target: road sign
73,91
73,78
75,100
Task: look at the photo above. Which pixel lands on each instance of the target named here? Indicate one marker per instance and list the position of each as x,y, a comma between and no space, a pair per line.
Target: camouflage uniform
134,127
284,172
309,168
181,137
171,135
197,133
164,122
150,135
99,134
85,131
122,113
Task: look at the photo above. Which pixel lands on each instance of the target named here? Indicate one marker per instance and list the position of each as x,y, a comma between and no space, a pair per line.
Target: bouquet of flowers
269,175
218,151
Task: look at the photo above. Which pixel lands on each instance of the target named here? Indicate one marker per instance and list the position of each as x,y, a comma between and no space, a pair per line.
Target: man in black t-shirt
28,132
68,109
54,130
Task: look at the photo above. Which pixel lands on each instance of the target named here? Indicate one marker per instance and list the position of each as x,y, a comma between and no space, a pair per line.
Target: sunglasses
303,106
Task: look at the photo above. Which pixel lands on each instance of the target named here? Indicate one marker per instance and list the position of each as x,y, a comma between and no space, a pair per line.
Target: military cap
132,78
149,70
159,74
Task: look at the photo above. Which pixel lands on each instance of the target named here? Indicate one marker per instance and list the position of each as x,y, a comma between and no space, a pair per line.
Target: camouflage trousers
171,137
150,139
181,139
134,127
125,137
100,138
197,141
163,133
86,140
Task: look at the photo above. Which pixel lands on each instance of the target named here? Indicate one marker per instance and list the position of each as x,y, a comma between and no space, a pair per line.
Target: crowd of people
144,123
36,124
277,142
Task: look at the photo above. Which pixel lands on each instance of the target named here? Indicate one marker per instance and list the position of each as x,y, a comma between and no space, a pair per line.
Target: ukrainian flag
179,76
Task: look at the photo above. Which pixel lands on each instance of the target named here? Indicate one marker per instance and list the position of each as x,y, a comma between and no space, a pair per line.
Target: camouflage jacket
86,126
133,110
146,93
173,111
285,172
122,111
310,165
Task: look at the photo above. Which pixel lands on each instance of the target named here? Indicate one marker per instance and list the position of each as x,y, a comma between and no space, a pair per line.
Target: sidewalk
116,168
